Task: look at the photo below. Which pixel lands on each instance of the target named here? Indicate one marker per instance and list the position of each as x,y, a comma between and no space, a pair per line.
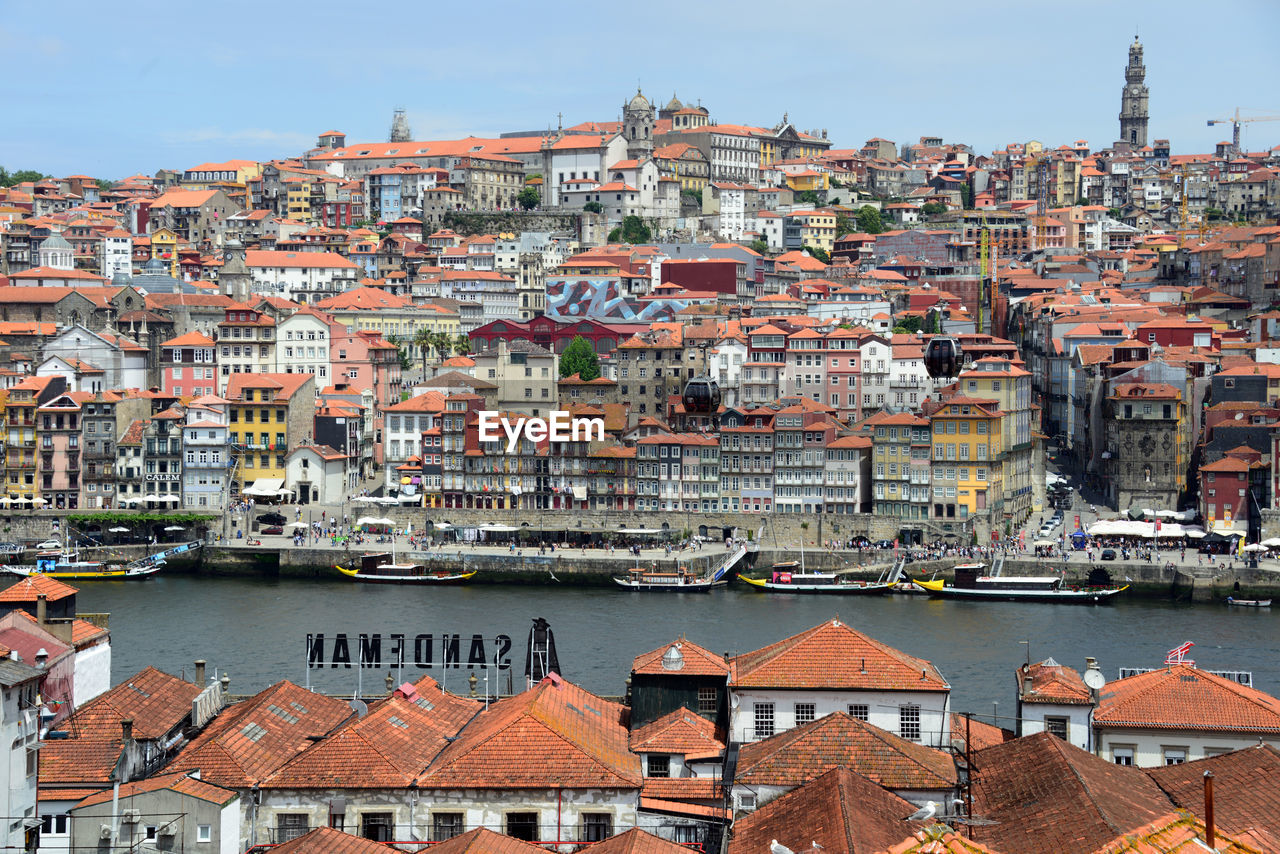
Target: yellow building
817,228
164,245
968,463
269,415
297,198
808,179
1008,383
231,173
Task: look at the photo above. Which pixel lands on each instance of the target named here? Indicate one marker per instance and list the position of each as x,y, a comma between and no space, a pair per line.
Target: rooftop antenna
1027,644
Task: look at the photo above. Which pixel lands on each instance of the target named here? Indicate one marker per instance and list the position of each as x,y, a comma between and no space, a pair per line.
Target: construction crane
1235,121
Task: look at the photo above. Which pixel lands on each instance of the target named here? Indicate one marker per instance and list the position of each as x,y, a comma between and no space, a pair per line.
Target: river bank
1178,581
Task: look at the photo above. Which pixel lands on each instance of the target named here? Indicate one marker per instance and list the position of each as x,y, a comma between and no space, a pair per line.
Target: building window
53,824
658,765
909,722
1056,726
204,833
1174,755
596,826
764,720
290,826
861,711
1122,755
708,701
805,713
445,825
523,825
376,826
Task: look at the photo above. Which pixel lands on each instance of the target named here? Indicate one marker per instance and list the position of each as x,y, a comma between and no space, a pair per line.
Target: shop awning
580,493
266,487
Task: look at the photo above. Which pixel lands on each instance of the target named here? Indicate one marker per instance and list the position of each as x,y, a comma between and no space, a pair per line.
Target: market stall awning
266,487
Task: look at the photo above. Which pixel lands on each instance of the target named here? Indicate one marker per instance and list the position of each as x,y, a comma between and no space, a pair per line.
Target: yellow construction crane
1235,121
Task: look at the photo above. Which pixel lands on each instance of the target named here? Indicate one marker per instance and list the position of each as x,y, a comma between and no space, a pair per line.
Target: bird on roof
925,813
777,847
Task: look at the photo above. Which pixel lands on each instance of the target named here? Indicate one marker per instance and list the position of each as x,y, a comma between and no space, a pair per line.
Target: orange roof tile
29,589
1249,780
680,731
1183,697
833,656
1053,683
181,782
478,841
1175,833
555,731
327,840
795,757
697,661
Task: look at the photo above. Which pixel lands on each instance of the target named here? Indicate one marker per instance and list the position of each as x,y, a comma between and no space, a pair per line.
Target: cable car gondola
701,396
943,357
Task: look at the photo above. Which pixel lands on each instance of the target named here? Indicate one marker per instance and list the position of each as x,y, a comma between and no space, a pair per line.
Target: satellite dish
1239,416
733,701
360,707
1094,679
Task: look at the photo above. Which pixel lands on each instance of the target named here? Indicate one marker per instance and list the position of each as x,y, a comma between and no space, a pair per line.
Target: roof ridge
1058,745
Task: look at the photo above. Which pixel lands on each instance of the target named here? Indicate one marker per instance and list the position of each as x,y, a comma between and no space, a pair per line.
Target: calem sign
558,426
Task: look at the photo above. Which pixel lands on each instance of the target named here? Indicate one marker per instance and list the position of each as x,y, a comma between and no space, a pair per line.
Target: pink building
187,366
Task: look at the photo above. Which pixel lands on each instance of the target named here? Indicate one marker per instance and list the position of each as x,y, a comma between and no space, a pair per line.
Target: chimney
126,730
226,684
42,609
1027,681
1209,829
200,663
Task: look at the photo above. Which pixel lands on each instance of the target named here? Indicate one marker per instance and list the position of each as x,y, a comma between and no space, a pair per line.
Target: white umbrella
170,497
1254,547
373,520
1196,534
297,525
365,499
1271,542
175,528
119,529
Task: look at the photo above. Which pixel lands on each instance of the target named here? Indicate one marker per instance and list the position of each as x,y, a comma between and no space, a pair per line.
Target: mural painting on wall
598,299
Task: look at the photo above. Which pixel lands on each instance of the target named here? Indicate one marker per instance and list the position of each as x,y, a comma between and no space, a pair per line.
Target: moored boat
383,569
66,564
784,580
681,579
1249,603
969,584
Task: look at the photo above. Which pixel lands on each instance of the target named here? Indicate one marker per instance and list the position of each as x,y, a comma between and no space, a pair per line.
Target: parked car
49,544
1108,554
273,529
272,519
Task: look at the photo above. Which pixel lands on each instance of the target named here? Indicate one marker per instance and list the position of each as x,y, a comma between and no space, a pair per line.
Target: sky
110,90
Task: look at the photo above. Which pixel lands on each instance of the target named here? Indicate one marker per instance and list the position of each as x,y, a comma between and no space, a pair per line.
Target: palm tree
463,345
422,340
443,343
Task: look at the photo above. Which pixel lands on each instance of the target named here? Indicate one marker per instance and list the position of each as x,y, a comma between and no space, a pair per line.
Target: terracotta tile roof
938,839
1249,783
1052,683
554,731
182,782
33,586
982,734
386,749
833,656
250,740
326,840
1183,697
680,731
794,757
637,841
191,339
842,811
697,661
1175,833
481,841
1046,795
682,788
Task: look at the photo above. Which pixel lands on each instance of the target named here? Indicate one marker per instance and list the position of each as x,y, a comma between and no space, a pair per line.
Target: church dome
55,241
639,102
674,104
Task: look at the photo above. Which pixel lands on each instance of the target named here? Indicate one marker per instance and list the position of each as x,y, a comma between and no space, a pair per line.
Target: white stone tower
637,127
1133,100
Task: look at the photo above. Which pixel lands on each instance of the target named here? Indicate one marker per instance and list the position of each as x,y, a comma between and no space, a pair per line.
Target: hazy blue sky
110,89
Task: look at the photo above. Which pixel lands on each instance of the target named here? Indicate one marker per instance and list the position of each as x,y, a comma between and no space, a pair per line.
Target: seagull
925,813
553,576
778,848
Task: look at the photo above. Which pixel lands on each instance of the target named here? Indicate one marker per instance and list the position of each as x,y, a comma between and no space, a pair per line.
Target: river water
256,630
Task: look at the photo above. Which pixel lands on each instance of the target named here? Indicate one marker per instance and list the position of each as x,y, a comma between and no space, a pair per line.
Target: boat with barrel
66,564
970,583
789,577
382,568
681,579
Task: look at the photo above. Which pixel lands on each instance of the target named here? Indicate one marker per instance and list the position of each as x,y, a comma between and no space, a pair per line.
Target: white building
303,341
1179,713
318,474
403,426
1054,699
117,253
833,668
727,202
304,277
20,729
123,362
206,458
578,156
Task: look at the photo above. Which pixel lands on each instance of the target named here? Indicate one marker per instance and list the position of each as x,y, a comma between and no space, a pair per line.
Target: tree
422,339
462,345
529,198
760,246
1116,213
1211,214
821,254
8,179
966,196
933,208
869,221
845,225
635,231
807,197
103,184
405,362
580,358
593,207
908,325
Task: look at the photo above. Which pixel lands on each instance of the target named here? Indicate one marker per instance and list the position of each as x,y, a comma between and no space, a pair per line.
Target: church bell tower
1133,101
